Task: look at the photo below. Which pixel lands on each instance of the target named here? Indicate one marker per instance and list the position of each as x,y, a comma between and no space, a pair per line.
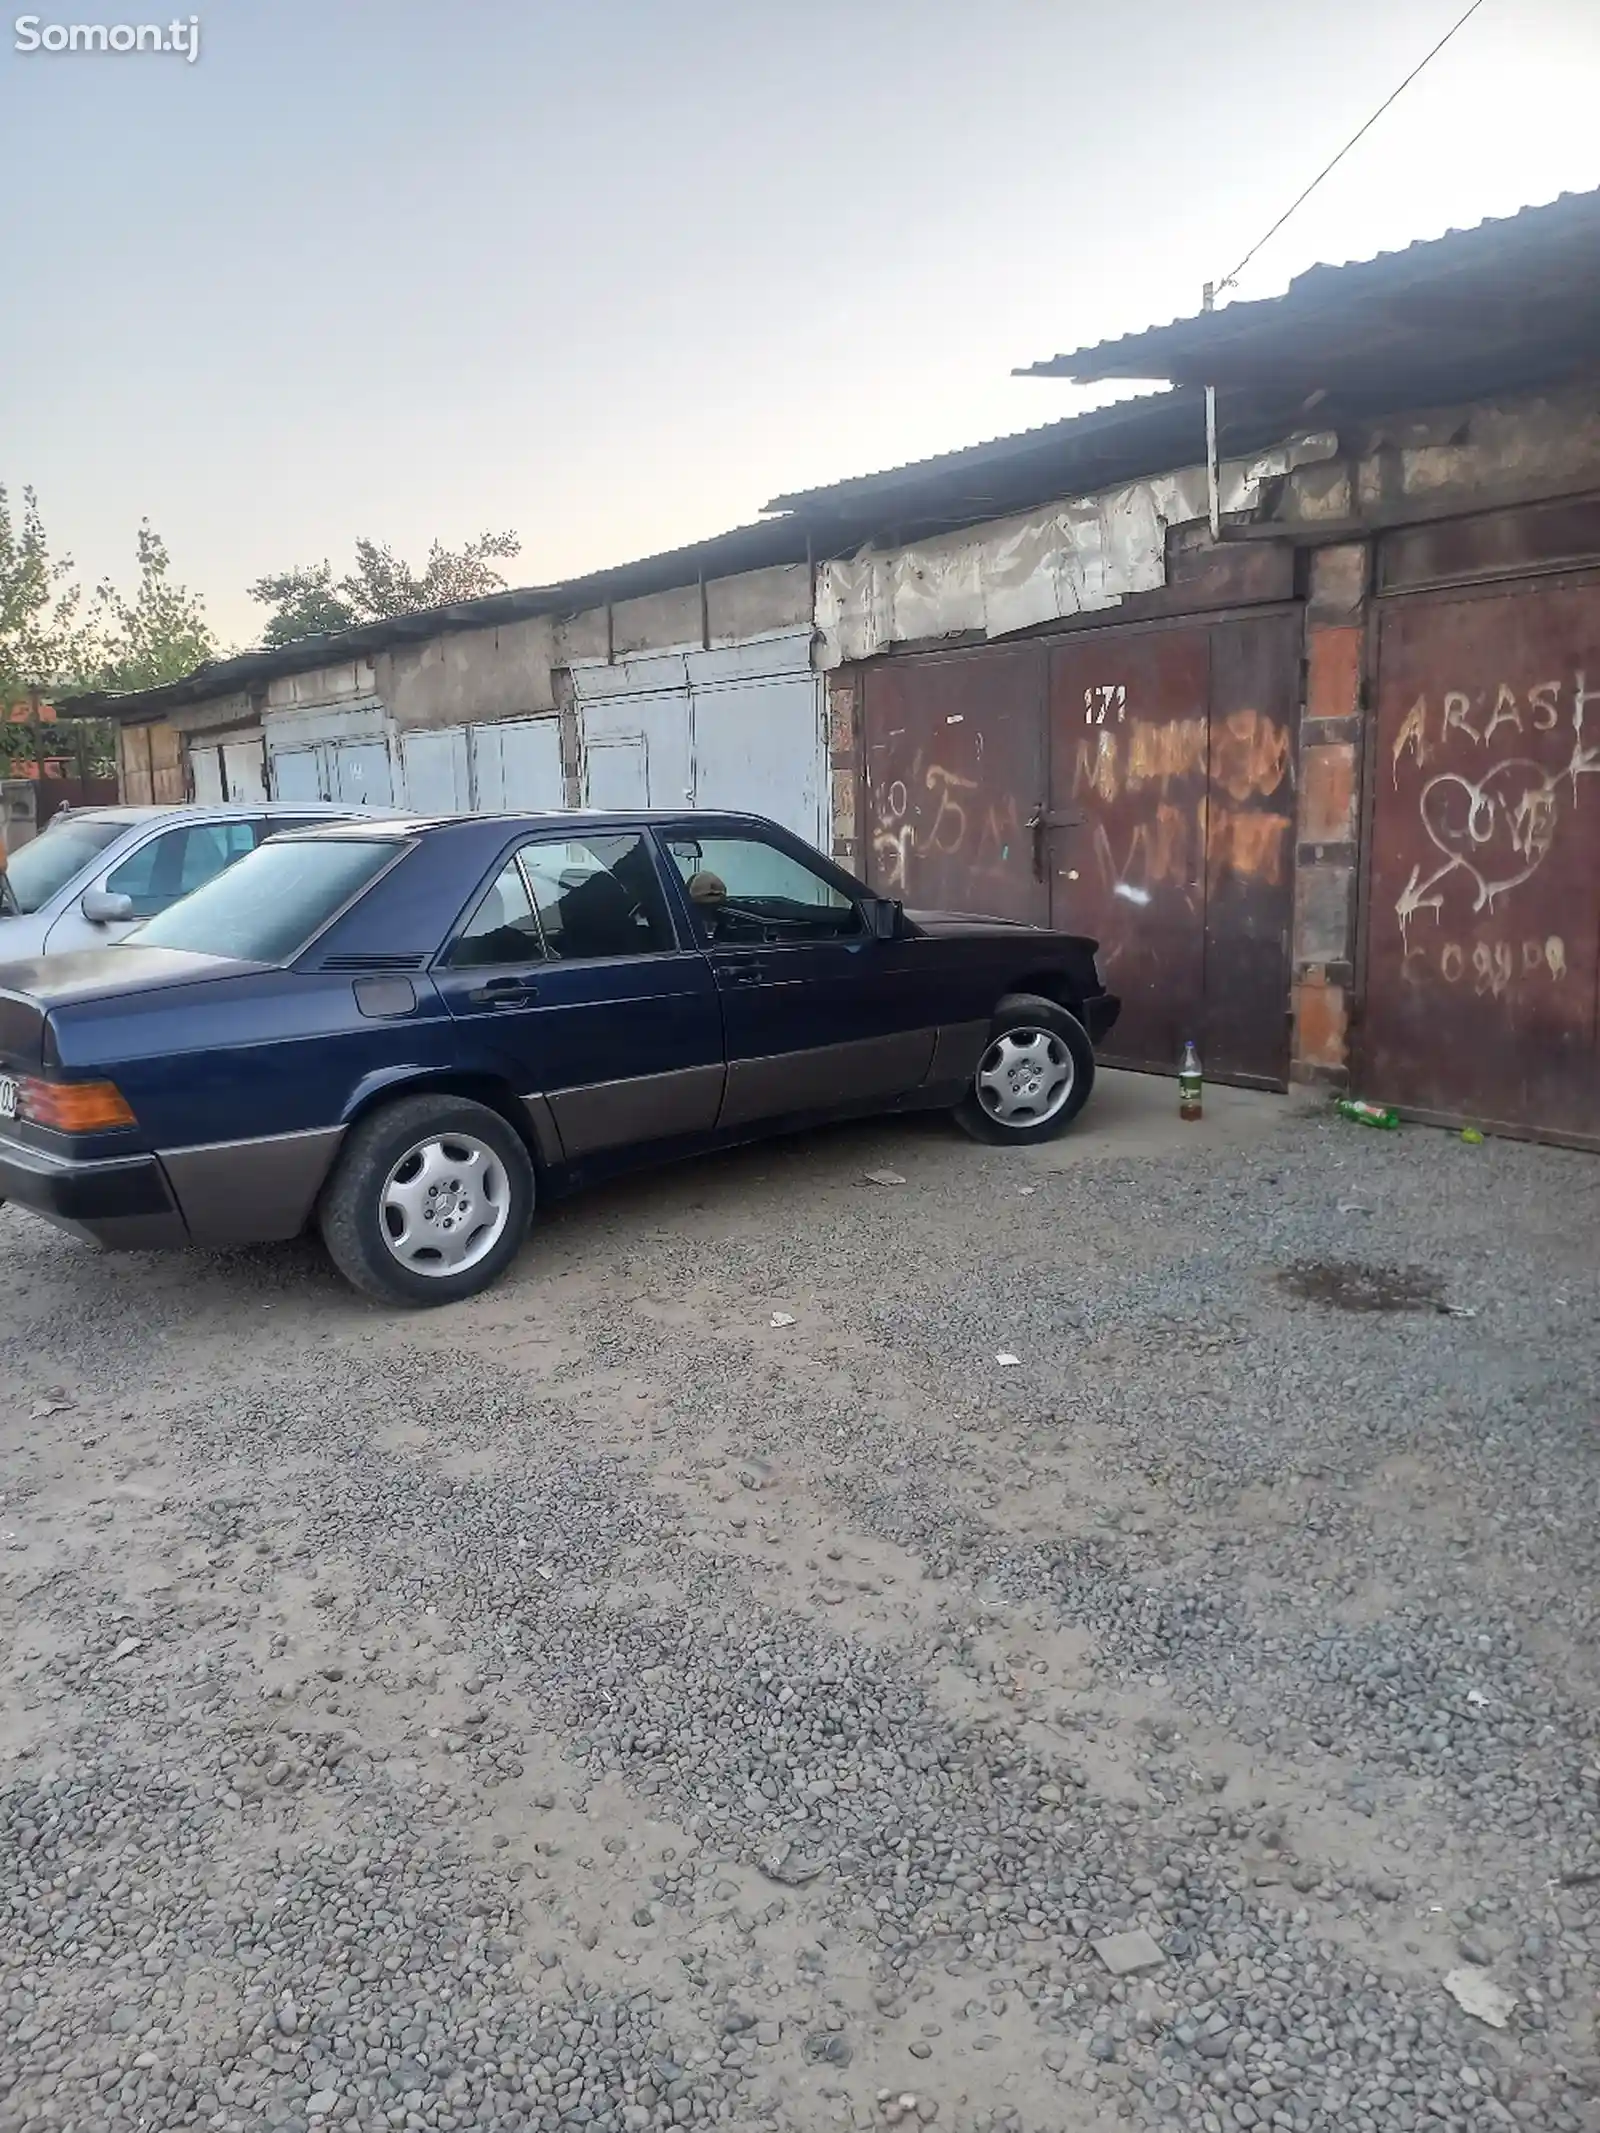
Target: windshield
266,908
34,874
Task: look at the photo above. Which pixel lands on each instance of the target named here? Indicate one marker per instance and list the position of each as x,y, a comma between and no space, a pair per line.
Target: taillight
73,1106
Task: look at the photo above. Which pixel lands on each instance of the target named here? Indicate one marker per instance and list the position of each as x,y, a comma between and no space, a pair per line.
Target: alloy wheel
1025,1077
445,1204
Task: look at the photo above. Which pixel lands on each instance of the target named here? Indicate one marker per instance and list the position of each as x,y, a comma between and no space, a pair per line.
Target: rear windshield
266,908
34,874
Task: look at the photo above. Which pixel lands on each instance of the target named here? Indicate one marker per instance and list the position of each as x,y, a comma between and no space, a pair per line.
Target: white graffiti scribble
1497,829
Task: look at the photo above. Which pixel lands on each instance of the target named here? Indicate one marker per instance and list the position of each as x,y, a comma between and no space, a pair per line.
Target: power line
1229,280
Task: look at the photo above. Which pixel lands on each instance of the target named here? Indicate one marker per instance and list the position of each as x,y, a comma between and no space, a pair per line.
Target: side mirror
101,908
886,919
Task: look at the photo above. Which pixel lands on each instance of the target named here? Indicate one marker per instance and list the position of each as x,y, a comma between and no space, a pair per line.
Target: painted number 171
1103,697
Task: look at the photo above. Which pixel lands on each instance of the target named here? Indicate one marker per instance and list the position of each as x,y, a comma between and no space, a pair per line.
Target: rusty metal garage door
1482,920
1172,833
955,767
1135,784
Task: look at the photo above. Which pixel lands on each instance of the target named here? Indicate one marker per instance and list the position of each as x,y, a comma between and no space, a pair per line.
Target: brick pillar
1327,849
844,768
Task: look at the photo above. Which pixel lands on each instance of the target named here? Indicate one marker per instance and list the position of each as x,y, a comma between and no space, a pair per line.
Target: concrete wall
472,674
216,714
1456,458
352,681
510,671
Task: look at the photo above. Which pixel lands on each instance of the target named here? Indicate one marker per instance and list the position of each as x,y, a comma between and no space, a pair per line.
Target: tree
308,600
305,603
54,641
47,641
158,635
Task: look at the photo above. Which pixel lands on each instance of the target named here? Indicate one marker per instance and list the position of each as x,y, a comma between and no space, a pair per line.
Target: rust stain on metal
1158,753
1254,846
1484,904
1249,754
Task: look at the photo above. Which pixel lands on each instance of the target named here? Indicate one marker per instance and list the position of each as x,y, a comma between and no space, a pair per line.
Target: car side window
179,860
742,889
503,929
598,896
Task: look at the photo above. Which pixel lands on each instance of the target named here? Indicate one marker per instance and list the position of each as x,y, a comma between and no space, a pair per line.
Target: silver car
91,877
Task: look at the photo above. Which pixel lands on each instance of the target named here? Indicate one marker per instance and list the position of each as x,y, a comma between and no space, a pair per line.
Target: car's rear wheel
1034,1077
429,1202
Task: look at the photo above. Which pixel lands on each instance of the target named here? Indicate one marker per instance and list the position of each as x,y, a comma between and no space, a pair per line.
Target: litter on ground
1477,1994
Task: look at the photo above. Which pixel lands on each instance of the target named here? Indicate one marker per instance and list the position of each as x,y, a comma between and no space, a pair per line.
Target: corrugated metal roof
1512,303
975,469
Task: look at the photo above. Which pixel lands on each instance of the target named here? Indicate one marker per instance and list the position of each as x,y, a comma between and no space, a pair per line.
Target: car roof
575,819
181,810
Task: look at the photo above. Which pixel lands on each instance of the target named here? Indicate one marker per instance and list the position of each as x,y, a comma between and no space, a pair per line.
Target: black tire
351,1214
1020,1014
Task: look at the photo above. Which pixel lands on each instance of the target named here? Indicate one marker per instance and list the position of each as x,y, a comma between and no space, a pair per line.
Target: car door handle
747,974
505,992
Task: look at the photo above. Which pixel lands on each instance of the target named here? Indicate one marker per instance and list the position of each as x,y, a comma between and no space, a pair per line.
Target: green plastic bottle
1365,1114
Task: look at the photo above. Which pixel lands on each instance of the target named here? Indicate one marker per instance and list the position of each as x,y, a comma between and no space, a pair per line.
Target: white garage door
345,753
244,770
360,774
205,772
516,766
738,727
297,774
435,767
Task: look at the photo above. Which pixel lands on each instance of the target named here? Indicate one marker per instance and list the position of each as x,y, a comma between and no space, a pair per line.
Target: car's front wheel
1034,1077
429,1202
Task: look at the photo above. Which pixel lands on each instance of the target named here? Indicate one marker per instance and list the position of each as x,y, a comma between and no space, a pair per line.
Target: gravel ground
598,1706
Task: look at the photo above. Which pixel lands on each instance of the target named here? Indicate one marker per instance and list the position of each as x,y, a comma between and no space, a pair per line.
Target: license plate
8,1097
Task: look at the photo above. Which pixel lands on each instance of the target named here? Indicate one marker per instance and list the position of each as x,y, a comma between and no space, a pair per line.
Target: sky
613,273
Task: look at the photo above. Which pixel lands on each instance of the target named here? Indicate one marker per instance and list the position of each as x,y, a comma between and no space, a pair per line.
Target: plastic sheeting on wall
1069,559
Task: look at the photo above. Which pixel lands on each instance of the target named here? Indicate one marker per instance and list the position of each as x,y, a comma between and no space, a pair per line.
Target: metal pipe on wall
1208,298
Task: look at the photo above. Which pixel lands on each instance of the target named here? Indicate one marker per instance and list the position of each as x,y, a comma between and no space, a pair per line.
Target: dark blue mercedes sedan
408,1032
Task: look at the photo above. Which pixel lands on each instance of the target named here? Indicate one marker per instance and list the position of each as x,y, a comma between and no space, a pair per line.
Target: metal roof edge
1012,446
1321,285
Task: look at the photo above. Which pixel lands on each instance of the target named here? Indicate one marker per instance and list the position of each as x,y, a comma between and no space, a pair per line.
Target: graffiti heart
1494,831
1497,828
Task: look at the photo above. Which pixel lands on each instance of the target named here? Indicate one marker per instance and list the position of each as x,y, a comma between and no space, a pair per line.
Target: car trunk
22,1026
30,990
